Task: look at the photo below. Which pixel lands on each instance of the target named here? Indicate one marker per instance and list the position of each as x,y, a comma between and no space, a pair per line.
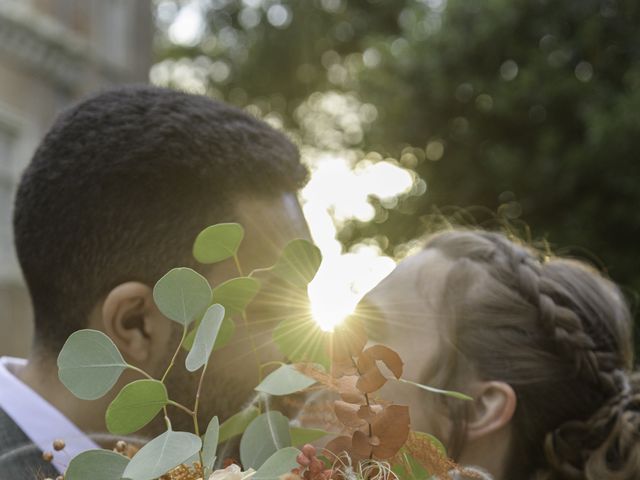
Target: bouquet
373,441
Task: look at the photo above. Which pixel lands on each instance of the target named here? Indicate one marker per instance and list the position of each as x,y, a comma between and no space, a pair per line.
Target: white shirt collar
37,418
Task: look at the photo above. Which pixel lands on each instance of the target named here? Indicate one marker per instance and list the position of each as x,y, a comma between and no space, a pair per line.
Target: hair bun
605,446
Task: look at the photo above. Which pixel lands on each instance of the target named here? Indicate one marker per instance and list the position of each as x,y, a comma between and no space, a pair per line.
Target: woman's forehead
413,287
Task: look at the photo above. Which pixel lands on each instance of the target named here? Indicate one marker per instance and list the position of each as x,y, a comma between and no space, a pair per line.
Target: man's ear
134,323
493,408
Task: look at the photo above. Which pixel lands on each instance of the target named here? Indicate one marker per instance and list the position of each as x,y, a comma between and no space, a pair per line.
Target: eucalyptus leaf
448,393
205,338
298,263
161,454
267,434
285,381
302,340
96,465
218,242
278,464
210,444
235,294
237,424
89,364
135,406
182,295
302,436
227,329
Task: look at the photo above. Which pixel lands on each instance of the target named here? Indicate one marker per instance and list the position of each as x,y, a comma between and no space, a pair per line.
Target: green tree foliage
527,108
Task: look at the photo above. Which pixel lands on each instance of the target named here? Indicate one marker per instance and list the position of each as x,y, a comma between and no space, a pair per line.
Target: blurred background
410,114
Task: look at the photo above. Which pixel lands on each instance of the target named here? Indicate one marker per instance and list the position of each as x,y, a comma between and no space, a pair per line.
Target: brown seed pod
121,446
47,456
58,444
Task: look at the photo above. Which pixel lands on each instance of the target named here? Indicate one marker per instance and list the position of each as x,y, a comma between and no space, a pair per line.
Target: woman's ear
131,319
493,408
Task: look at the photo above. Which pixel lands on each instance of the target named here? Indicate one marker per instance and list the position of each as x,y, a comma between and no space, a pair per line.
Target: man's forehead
270,222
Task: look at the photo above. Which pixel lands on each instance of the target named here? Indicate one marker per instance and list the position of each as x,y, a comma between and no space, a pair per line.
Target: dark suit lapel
20,459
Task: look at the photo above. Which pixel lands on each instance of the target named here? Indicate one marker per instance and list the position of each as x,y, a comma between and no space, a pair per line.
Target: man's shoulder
20,459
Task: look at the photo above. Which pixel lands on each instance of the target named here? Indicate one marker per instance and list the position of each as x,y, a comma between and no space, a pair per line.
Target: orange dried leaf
339,445
360,445
343,366
371,378
346,387
392,426
312,370
347,413
367,413
387,356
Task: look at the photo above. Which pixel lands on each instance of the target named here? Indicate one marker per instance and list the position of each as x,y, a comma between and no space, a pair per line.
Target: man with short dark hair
113,198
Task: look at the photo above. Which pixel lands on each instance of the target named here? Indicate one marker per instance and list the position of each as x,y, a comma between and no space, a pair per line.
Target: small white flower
232,472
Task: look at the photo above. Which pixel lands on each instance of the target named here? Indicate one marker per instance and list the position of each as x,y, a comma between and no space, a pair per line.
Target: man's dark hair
121,185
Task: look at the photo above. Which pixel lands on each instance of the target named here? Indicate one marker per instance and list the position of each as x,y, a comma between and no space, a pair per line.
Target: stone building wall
53,52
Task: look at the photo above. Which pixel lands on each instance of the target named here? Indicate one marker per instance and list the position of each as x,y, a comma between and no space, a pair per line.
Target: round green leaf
267,434
285,381
210,443
278,464
302,340
302,436
218,242
89,364
161,454
205,339
135,406
235,294
182,295
237,424
96,465
298,263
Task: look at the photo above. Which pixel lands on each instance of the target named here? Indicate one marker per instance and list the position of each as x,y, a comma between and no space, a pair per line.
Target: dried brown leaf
371,378
346,387
360,445
347,413
339,445
368,412
387,356
392,426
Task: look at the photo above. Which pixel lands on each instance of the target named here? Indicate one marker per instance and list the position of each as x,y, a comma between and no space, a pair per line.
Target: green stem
139,370
268,364
195,413
246,324
175,355
259,270
235,259
181,407
253,345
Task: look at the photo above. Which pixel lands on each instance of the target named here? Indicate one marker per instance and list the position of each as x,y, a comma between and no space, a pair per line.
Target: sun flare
329,316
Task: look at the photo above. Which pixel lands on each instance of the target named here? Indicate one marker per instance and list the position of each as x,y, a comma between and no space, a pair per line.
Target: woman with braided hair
543,345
